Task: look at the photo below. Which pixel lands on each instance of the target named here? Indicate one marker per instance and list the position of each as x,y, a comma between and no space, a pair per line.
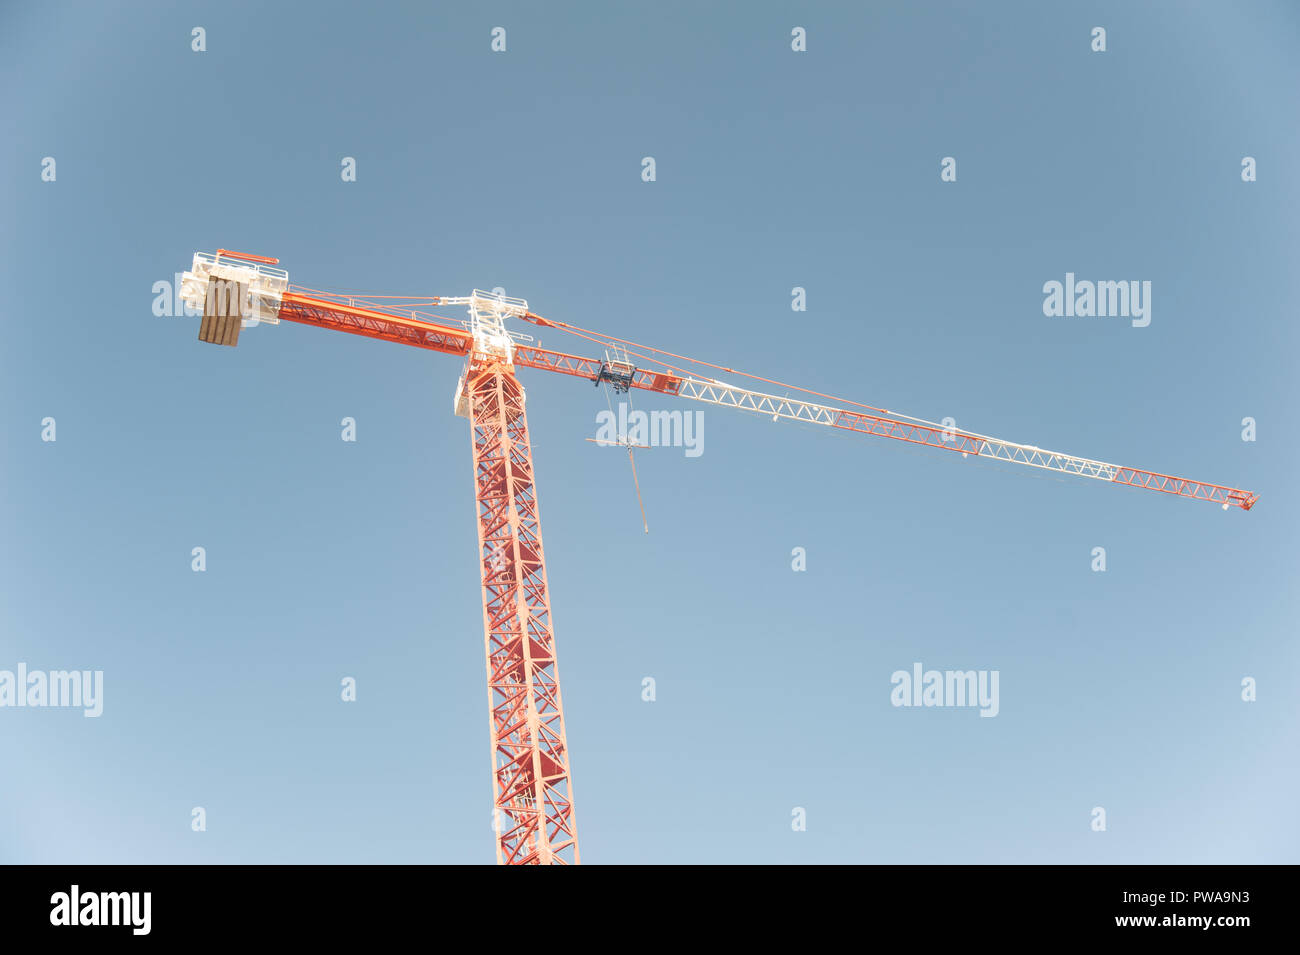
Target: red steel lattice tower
532,791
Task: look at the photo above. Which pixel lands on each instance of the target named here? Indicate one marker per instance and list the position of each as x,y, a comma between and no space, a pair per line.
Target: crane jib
236,289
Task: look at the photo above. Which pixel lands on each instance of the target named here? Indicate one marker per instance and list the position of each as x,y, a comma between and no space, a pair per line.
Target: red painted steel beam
589,368
323,313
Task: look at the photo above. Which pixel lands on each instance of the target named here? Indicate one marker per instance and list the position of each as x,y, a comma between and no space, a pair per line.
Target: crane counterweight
229,284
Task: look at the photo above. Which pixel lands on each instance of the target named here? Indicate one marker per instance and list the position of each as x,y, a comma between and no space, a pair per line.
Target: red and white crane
533,795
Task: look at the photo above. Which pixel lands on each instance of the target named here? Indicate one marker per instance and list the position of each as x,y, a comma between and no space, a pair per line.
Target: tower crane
532,788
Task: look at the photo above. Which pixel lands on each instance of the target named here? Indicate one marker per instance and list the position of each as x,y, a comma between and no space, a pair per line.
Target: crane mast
532,791
532,788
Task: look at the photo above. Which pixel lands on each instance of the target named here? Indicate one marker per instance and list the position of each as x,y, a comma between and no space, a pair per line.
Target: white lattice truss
916,431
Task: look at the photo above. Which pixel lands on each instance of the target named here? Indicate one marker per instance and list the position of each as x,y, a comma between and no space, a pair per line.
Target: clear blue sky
775,169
